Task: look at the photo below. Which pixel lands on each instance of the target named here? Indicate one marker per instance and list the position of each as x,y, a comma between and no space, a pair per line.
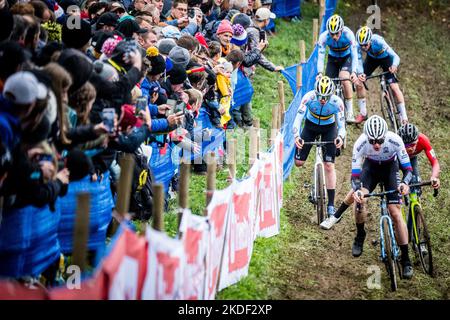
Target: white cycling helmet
335,24
375,128
364,35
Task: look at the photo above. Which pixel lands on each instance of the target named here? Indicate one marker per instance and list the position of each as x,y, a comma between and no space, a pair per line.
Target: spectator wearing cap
130,29
107,22
170,32
118,8
261,20
20,94
224,34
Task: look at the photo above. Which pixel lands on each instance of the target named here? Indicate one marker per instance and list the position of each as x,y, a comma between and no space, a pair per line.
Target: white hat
264,14
23,88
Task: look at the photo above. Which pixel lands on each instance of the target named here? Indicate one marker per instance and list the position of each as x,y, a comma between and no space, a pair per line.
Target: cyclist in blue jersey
342,60
379,54
319,112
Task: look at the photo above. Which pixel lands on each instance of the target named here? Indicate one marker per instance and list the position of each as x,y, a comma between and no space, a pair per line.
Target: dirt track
318,264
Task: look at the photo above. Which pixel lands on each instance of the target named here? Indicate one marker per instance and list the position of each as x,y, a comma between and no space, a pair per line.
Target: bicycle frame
318,161
385,216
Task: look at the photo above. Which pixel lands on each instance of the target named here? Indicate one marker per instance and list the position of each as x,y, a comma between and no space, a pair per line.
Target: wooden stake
253,150
231,156
282,103
275,115
183,196
315,32
158,207
126,163
257,125
81,230
299,76
211,177
321,11
302,51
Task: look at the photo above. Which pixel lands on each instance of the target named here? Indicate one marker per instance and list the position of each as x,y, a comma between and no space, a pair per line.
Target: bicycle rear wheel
423,242
320,194
389,259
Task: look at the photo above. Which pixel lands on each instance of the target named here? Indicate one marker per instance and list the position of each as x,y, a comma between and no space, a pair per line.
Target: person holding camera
257,36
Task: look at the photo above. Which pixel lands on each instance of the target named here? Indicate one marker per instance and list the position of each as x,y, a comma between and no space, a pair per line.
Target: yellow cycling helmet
324,87
364,35
335,24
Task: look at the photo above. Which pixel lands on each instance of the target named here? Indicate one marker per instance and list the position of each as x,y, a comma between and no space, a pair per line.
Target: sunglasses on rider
319,97
374,141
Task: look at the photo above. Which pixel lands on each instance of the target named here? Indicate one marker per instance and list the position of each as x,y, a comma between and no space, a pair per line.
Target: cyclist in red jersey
415,143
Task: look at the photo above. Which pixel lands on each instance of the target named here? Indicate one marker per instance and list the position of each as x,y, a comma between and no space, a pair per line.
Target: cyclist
379,53
321,110
342,59
376,157
415,143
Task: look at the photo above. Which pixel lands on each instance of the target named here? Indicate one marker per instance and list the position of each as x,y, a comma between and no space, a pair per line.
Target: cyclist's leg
329,133
308,135
416,173
398,94
333,66
369,67
348,201
347,85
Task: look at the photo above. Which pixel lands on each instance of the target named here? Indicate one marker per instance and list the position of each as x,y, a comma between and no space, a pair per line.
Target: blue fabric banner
286,8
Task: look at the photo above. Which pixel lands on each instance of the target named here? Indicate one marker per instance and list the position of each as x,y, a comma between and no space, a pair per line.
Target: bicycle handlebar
377,75
426,183
382,194
340,79
318,143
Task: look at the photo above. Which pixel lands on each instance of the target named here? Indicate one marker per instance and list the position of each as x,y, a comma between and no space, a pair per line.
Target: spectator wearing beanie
77,38
175,82
239,35
179,56
165,45
107,22
224,34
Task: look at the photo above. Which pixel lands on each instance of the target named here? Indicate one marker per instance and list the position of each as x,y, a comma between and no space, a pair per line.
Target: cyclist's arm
340,119
298,120
360,68
321,53
431,155
353,52
405,163
391,53
357,160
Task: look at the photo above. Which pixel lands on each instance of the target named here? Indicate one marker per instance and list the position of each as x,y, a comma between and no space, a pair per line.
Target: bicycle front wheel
320,194
389,261
389,111
423,242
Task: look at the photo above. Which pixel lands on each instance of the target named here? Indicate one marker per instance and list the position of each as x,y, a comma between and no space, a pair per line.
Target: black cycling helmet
409,133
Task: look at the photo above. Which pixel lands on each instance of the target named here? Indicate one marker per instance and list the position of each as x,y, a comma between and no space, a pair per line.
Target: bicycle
417,227
389,250
317,194
387,102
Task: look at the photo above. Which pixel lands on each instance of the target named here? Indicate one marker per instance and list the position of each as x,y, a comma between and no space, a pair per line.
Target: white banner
269,211
240,234
124,267
218,210
279,168
195,234
164,267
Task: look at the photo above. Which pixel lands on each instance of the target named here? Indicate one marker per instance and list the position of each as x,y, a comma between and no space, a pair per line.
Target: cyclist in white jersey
376,157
